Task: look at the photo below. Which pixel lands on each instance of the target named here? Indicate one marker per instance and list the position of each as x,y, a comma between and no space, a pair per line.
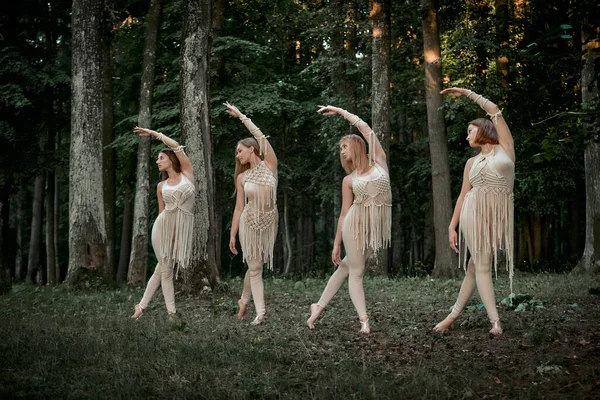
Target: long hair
358,152
239,168
174,163
486,132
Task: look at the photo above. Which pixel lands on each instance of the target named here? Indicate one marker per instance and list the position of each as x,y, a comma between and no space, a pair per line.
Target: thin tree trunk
50,215
196,133
57,215
445,259
590,96
126,236
288,245
87,225
108,136
380,94
5,282
138,259
37,222
502,61
20,270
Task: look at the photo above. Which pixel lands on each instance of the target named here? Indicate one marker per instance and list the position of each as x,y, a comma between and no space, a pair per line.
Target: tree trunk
138,259
445,259
87,225
590,45
37,219
19,258
380,94
195,131
126,236
50,201
108,136
536,223
57,215
288,245
5,282
502,61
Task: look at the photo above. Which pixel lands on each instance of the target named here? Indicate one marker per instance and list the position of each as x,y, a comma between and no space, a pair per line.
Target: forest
76,183
77,195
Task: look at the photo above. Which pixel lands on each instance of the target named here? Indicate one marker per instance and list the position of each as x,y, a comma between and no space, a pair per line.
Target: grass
73,344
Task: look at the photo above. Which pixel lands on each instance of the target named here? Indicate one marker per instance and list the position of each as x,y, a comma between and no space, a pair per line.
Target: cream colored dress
173,229
370,216
487,214
258,222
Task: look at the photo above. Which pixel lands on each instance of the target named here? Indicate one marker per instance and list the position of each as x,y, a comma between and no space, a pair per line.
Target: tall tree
502,61
445,260
380,90
37,216
87,226
590,98
108,136
139,243
5,282
196,133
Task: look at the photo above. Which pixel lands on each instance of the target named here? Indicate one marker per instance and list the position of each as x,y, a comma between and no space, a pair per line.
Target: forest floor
56,343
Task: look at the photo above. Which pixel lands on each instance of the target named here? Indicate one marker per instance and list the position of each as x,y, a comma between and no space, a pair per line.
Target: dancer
365,219
173,228
255,217
484,209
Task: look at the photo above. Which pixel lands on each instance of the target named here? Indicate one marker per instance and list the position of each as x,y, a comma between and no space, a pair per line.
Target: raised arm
504,136
375,148
184,161
265,147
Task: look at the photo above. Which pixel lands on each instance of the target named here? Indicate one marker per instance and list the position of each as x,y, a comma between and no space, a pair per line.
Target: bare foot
315,311
364,326
496,328
172,317
444,325
138,311
243,310
259,320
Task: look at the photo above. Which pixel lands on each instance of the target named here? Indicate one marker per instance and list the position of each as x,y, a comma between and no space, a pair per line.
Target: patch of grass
59,343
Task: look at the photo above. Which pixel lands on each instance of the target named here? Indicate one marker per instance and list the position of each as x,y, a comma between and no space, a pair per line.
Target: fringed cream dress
172,239
487,214
367,227
258,229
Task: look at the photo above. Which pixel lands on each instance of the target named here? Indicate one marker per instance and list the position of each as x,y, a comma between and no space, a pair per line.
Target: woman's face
345,151
163,162
472,131
243,153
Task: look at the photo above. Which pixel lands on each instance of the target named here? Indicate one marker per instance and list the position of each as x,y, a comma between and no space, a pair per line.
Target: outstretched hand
232,110
328,110
455,92
143,131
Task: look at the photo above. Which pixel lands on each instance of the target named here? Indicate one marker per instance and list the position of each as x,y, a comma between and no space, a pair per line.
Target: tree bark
37,218
138,259
380,94
108,136
502,60
50,198
590,98
19,258
445,259
87,225
126,236
196,133
5,282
